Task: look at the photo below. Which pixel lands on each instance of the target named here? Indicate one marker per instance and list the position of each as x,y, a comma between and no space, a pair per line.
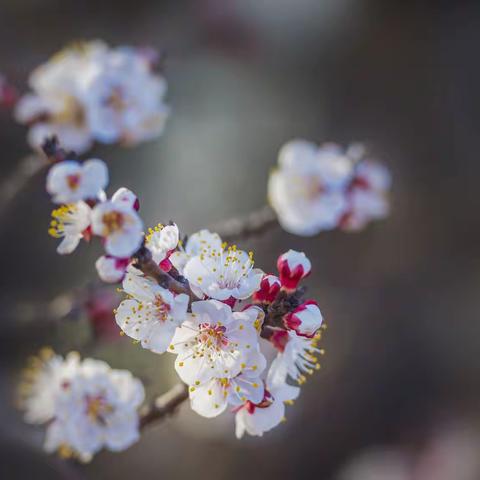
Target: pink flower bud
126,197
269,288
305,319
279,339
111,269
292,267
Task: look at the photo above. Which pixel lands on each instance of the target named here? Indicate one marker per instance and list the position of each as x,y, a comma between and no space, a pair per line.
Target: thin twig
254,224
25,169
143,261
164,405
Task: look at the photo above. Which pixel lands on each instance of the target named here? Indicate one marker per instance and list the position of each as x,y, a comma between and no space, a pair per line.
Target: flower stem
254,224
164,405
25,169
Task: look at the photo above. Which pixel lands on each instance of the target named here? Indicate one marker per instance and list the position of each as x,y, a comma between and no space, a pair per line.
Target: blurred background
398,395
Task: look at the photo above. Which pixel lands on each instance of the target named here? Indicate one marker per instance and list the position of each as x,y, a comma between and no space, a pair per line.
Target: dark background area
400,298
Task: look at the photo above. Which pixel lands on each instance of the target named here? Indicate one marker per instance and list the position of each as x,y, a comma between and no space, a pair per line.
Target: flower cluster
198,298
85,211
86,405
89,92
195,297
322,188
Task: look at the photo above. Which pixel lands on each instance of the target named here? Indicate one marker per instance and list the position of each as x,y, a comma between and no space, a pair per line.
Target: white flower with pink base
162,242
307,190
215,342
223,273
258,418
71,181
111,269
152,314
211,398
120,227
70,223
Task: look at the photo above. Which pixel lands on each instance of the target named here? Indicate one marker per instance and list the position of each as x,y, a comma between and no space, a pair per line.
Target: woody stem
254,224
164,405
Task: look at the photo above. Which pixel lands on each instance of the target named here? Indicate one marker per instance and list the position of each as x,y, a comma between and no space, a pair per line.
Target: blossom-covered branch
196,297
199,299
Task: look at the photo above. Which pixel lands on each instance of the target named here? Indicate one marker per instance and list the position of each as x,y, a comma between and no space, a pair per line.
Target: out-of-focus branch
254,224
25,169
30,166
164,405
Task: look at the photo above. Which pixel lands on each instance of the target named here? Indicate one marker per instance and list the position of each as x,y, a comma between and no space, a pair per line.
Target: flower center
229,265
71,113
73,181
116,100
113,221
162,308
212,336
97,408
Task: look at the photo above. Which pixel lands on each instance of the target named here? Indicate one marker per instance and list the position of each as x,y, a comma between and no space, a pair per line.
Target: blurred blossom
89,92
314,189
450,453
151,313
88,405
367,196
378,464
307,190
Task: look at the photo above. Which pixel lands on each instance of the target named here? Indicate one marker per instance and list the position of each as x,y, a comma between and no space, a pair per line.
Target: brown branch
254,224
25,169
144,262
164,405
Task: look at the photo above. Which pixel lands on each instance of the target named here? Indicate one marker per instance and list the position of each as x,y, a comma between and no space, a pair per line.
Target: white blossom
298,357
71,181
70,223
212,397
222,273
162,241
368,195
127,197
42,381
152,313
90,92
125,100
111,269
307,190
196,243
120,226
215,342
96,408
256,419
56,105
